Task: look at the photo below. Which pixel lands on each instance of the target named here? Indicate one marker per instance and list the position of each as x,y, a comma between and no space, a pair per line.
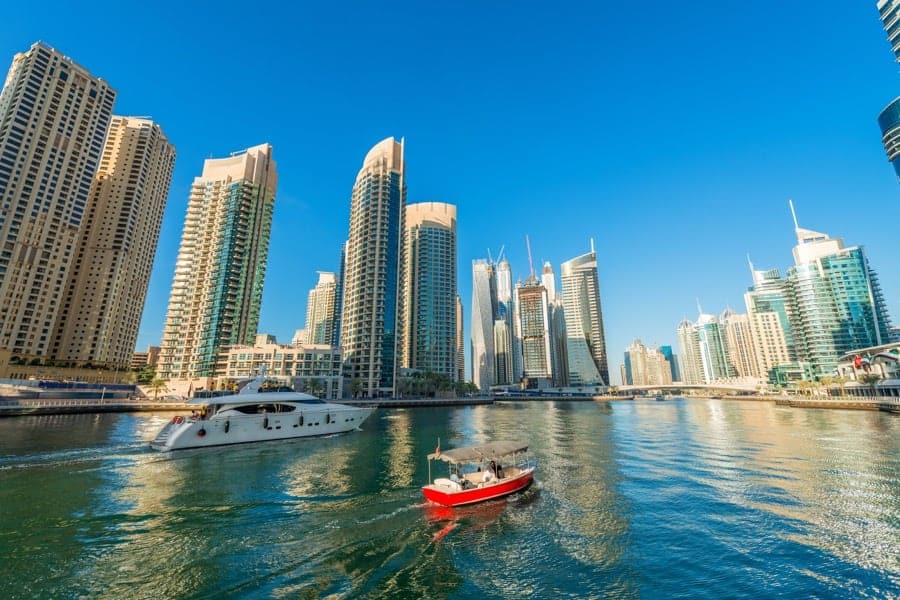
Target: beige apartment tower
53,119
104,297
218,284
427,300
321,318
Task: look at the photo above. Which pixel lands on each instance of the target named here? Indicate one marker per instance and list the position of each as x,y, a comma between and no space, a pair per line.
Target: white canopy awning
492,451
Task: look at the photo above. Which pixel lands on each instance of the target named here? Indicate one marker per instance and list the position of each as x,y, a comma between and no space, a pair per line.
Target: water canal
687,498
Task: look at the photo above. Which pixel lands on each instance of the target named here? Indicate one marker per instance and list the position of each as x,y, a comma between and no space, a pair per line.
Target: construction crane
530,262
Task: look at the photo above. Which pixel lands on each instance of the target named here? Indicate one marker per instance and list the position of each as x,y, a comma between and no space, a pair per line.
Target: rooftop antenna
490,258
699,308
793,213
530,262
592,245
500,255
749,262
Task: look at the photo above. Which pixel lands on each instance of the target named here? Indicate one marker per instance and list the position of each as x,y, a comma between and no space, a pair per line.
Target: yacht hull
184,433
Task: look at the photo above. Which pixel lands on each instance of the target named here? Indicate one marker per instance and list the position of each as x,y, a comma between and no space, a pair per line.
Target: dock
62,406
891,405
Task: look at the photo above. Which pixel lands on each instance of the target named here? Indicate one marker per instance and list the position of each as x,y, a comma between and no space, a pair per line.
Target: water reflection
683,498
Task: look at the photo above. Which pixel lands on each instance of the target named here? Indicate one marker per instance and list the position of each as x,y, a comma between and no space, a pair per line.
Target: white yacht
253,415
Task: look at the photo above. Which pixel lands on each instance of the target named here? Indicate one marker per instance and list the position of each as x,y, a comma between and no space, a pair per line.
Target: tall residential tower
371,278
54,116
321,310
218,284
427,300
104,297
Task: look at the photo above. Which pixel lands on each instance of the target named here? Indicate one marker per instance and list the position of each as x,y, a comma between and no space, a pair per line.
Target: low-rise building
311,368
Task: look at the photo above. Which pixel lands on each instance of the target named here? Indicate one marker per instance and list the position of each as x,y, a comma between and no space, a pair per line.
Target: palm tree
158,385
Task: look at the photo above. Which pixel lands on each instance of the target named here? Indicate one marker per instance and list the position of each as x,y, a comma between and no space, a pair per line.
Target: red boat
479,473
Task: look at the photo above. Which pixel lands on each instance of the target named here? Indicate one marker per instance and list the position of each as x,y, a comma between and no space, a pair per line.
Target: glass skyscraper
889,122
769,311
585,339
321,304
889,12
836,301
369,319
484,310
218,283
427,300
889,119
533,325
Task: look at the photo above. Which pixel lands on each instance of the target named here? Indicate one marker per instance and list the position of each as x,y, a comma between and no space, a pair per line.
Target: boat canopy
491,451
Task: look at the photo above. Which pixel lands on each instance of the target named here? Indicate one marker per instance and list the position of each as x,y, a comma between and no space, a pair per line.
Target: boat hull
501,488
243,429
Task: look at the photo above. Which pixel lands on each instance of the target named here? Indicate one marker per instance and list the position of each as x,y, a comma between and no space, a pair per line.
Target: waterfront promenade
55,406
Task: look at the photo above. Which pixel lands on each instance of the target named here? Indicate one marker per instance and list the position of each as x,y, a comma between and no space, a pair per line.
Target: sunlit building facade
769,312
460,342
54,117
739,344
646,366
369,314
321,310
533,324
104,297
311,368
427,301
585,338
218,283
484,309
836,299
689,344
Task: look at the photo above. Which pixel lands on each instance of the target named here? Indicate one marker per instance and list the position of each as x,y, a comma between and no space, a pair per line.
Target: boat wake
56,458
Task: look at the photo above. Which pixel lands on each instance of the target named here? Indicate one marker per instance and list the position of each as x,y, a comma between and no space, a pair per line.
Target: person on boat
488,476
499,471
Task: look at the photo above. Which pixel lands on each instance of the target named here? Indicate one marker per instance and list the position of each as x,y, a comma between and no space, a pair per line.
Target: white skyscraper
484,308
585,339
321,303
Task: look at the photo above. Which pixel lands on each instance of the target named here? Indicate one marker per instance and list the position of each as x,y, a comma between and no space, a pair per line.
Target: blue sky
671,133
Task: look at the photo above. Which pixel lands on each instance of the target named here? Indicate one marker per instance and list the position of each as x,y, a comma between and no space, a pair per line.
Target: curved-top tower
369,320
889,122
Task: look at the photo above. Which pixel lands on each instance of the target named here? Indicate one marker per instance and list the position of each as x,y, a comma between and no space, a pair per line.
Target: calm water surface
688,498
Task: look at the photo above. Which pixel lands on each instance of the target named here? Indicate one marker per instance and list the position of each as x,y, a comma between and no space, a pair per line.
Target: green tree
871,380
146,375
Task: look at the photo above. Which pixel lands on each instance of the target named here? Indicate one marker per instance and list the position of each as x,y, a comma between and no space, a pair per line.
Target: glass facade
484,310
585,339
889,122
428,297
837,305
889,12
369,317
218,284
